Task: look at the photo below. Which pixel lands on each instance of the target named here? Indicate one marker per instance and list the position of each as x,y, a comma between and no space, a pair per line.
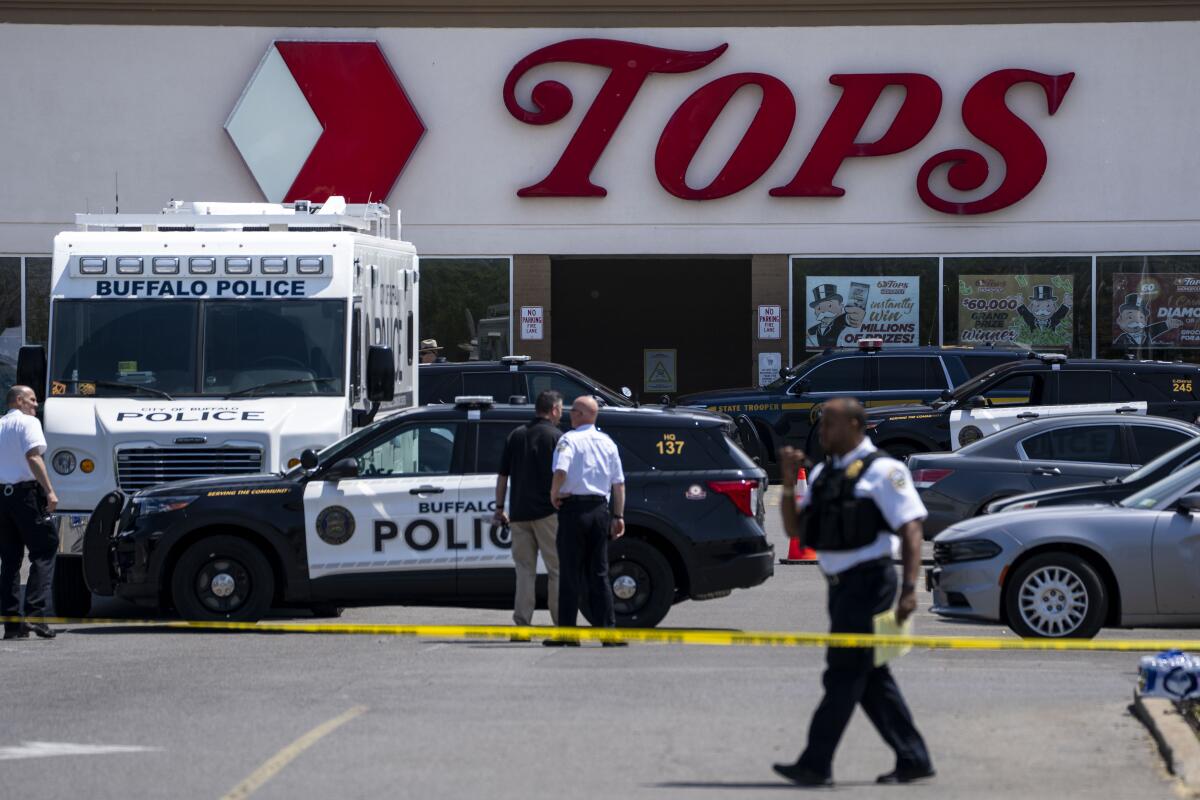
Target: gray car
1046,453
1072,570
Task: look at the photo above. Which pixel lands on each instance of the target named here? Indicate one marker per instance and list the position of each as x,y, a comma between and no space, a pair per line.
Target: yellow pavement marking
273,765
688,636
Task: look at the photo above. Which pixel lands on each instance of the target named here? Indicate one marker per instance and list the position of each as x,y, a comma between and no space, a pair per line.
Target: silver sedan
1072,570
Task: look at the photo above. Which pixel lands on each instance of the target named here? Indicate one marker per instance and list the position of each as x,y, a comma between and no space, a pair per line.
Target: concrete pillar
768,286
531,287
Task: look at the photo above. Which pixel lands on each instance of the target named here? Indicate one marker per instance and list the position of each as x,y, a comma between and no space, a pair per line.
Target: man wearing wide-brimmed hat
429,351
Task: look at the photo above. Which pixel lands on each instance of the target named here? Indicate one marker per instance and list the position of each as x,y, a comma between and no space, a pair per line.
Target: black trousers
851,677
24,525
583,531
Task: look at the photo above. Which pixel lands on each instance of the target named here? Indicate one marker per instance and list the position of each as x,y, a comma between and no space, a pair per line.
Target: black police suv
784,411
961,416
510,377
401,512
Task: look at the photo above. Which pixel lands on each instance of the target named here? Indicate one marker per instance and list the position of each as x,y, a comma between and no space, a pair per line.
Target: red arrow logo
370,128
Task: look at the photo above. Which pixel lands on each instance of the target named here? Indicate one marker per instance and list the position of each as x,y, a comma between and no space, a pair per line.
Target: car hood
1039,523
228,482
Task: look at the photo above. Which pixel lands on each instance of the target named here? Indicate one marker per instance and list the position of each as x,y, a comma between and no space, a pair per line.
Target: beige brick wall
531,287
768,286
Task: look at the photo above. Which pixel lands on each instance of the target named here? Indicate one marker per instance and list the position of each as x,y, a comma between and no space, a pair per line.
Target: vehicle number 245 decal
670,445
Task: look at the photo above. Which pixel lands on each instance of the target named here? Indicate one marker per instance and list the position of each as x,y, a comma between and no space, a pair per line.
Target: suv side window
1084,386
1026,389
898,373
439,387
1090,444
839,375
1151,441
497,385
489,446
423,448
565,385
977,364
678,449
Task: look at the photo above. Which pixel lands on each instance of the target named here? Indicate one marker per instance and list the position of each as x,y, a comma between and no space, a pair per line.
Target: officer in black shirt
859,499
527,459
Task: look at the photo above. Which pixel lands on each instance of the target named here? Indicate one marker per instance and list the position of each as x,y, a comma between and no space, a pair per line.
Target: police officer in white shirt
26,501
587,468
857,502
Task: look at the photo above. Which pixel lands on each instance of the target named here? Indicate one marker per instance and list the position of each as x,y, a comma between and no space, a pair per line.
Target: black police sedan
784,411
1015,390
510,377
1039,454
400,512
1110,490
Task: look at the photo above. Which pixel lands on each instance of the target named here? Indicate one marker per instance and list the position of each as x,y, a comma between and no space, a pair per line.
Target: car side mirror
946,395
977,401
1189,503
308,459
381,374
341,469
31,369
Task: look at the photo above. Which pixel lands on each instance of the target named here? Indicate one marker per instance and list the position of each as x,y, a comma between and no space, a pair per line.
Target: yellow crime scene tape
686,636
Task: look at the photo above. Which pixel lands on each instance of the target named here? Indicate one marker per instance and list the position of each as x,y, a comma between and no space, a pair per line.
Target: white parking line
49,749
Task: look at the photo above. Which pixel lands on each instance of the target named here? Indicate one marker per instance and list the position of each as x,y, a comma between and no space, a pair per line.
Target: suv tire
222,578
1056,595
637,569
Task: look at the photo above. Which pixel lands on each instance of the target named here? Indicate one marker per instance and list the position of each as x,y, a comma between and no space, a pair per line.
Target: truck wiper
274,384
123,385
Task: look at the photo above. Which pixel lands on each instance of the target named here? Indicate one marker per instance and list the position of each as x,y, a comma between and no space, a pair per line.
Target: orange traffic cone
796,553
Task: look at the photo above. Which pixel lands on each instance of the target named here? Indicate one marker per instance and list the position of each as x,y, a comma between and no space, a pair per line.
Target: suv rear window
1166,385
677,449
1090,386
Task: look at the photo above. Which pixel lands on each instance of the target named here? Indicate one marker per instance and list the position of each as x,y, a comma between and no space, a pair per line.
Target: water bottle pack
1172,674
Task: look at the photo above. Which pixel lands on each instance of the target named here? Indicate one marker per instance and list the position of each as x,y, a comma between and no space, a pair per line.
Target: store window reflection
1148,306
465,307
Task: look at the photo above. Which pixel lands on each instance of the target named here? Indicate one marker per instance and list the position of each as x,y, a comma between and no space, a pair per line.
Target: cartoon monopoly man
832,316
1133,318
1043,311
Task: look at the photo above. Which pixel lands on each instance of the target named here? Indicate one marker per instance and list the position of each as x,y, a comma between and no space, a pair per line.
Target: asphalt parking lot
204,714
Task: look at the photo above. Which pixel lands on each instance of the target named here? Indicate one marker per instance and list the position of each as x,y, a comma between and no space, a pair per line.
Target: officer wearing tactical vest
859,500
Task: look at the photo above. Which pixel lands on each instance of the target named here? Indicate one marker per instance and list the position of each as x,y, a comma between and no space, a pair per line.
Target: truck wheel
642,583
72,598
222,578
1056,595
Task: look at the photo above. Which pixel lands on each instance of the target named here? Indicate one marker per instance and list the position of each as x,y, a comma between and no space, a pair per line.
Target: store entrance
693,315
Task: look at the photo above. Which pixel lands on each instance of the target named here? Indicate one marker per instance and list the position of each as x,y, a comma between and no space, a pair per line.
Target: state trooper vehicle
402,512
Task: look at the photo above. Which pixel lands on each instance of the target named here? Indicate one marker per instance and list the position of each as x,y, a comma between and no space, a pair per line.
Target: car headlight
160,504
964,550
63,462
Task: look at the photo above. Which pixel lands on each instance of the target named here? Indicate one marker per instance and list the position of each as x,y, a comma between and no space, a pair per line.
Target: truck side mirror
341,469
308,459
381,374
31,369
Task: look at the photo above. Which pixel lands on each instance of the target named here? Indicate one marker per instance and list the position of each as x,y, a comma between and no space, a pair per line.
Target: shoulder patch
899,478
563,443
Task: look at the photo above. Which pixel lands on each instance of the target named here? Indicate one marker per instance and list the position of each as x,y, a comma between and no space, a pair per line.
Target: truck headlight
63,462
160,504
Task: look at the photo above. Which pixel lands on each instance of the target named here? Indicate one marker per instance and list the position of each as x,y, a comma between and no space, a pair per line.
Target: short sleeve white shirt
19,433
890,485
591,461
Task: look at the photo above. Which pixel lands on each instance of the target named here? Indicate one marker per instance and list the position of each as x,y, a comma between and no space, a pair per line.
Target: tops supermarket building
684,188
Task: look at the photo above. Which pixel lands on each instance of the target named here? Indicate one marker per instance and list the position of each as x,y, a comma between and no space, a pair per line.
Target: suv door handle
1047,471
427,490
1028,415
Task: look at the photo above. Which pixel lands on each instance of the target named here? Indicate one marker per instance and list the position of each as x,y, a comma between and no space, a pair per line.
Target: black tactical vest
836,519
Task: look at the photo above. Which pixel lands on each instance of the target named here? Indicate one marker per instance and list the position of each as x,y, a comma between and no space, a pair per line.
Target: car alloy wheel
1053,601
222,578
222,585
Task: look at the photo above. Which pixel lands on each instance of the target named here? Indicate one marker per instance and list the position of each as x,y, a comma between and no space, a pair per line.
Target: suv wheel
1056,595
642,582
222,578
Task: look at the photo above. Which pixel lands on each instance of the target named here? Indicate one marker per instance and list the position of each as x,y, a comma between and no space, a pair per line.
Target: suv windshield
198,347
788,374
972,387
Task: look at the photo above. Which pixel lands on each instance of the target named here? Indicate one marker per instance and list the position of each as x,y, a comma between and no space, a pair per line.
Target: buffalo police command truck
215,339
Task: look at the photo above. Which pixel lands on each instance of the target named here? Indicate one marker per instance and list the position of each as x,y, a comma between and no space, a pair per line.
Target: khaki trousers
528,538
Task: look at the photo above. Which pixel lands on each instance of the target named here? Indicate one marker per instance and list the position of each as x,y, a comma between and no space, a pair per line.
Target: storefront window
37,300
11,333
465,307
837,301
1148,307
1037,302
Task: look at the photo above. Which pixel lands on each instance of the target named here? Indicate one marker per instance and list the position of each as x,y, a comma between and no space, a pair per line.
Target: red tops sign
984,112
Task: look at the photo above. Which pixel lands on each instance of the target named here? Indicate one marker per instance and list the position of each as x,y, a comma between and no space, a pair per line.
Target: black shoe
41,629
802,776
560,643
906,775
16,632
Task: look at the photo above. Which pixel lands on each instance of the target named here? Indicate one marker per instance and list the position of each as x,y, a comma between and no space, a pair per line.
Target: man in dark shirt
527,458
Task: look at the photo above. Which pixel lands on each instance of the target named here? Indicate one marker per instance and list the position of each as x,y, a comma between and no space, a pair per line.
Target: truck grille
138,468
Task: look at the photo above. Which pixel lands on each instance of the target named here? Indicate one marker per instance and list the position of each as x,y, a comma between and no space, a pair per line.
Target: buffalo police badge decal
335,525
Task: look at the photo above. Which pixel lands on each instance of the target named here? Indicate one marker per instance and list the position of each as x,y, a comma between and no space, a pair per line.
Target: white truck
214,339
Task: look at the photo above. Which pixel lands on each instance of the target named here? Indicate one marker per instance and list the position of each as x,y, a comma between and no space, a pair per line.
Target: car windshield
198,347
1148,469
973,386
613,398
1168,490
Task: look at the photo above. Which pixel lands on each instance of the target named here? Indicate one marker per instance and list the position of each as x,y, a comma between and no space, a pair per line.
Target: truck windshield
203,347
